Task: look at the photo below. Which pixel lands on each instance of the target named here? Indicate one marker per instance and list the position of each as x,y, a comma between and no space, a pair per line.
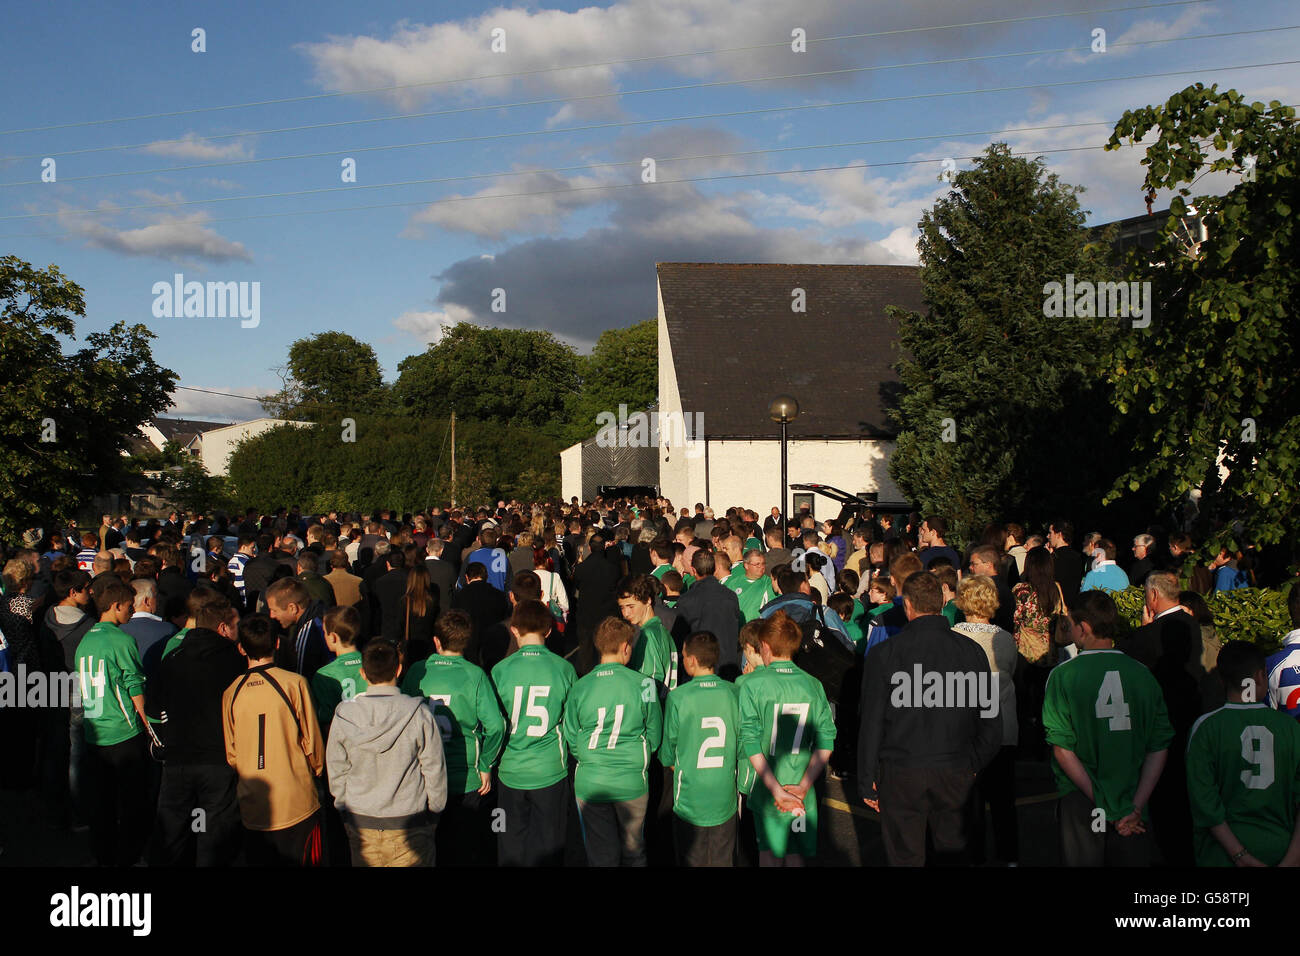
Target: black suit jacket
443,575
486,606
709,606
594,582
1173,633
1068,565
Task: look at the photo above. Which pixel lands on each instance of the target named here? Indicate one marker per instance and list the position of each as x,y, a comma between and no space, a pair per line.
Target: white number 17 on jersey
789,710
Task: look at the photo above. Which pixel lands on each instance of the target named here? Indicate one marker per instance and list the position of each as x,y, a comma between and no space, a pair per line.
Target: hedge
1258,615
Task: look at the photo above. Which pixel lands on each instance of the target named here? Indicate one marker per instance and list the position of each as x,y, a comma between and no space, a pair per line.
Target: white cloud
178,239
205,406
428,327
192,146
480,214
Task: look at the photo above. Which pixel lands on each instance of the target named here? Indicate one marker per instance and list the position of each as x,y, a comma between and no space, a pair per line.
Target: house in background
210,442
732,337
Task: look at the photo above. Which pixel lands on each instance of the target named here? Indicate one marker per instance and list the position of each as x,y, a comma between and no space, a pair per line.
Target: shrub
1258,615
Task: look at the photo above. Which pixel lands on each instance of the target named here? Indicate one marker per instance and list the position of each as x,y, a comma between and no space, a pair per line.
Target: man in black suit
1143,558
485,605
1164,615
370,609
442,573
1066,561
1170,644
772,521
594,580
388,591
708,605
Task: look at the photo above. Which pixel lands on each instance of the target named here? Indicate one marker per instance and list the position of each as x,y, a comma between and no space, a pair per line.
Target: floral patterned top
1033,624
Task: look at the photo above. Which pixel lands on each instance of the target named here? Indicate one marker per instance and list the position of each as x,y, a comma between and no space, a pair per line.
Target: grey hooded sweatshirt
385,761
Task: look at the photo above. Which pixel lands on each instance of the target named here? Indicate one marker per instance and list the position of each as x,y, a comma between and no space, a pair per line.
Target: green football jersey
751,595
1108,710
612,723
655,655
339,680
174,641
785,716
658,574
533,684
746,775
468,715
700,744
1243,768
108,666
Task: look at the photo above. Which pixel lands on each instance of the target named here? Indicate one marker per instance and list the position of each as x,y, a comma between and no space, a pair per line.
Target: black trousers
1083,845
533,826
198,816
914,799
996,786
117,784
464,836
705,846
298,845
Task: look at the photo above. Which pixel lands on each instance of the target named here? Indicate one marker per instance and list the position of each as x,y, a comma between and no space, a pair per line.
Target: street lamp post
784,409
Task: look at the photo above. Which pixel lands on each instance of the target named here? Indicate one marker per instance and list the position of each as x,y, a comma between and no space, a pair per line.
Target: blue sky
577,256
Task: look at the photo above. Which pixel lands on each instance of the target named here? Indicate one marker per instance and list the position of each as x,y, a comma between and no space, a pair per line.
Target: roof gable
737,343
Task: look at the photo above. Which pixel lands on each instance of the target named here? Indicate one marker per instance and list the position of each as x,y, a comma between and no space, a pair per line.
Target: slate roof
184,430
736,344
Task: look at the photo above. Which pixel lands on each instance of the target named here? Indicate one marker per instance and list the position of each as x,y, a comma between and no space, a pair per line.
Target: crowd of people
477,686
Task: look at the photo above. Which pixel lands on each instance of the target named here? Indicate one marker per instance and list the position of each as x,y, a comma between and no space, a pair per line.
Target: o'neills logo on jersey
94,910
651,430
212,300
958,690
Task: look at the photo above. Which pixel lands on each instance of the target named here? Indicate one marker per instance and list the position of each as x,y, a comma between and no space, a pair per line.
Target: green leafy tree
506,376
65,419
1001,412
623,369
328,372
1213,378
191,488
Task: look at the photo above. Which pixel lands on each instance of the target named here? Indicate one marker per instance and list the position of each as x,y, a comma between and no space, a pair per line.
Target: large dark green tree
65,418
1002,413
329,374
1213,379
520,377
623,369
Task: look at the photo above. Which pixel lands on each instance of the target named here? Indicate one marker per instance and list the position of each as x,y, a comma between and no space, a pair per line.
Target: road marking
869,814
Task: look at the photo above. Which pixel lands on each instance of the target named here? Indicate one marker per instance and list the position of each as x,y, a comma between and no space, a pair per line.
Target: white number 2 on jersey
444,722
534,709
1110,702
716,742
600,726
1257,749
788,710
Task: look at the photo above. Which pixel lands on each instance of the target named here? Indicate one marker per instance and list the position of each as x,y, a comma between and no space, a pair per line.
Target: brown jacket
273,740
347,587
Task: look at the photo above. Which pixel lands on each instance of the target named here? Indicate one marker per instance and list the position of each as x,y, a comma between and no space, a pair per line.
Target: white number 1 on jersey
1110,702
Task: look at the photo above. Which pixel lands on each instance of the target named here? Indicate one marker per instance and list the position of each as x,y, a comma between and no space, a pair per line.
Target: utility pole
453,459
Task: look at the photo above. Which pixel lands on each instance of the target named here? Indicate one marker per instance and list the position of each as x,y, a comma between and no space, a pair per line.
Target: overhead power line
549,101
585,66
414,182
251,161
